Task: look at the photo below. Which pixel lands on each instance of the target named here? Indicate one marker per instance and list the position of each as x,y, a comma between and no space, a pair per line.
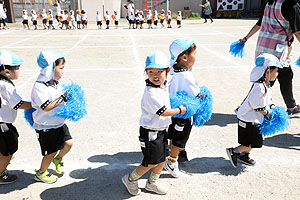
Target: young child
117,18
99,19
155,18
137,19
149,19
10,103
25,19
178,19
131,20
183,58
107,19
53,134
65,21
78,19
169,17
141,18
73,21
50,19
34,17
44,18
154,121
3,15
162,18
253,109
84,19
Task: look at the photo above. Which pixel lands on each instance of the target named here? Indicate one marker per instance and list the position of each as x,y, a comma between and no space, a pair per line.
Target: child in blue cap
253,109
154,121
10,102
47,96
183,58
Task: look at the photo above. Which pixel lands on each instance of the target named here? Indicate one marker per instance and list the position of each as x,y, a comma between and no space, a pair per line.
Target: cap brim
257,73
18,62
157,66
186,47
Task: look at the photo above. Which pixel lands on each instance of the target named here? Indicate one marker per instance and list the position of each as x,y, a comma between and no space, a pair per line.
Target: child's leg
66,149
152,185
46,161
4,162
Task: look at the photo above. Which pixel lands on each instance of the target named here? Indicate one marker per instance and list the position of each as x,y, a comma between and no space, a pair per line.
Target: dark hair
9,67
60,61
263,78
83,11
188,52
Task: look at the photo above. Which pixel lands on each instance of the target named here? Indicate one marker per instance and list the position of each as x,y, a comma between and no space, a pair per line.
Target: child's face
14,73
157,76
59,71
188,60
271,75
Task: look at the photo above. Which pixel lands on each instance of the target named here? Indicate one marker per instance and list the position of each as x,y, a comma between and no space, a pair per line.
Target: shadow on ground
24,180
99,183
211,164
221,119
284,141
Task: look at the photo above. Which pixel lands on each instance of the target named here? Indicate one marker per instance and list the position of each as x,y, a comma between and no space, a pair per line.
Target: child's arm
170,112
26,105
55,103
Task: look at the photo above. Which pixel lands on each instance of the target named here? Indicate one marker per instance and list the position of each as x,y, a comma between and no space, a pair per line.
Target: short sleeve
11,97
40,96
155,103
257,98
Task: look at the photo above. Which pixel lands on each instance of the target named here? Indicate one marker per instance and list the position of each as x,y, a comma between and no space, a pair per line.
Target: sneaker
172,168
6,178
294,111
156,187
182,157
245,159
232,156
131,186
45,177
59,165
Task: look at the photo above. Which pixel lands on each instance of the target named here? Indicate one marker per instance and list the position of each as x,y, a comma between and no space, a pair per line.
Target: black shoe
232,156
245,159
182,157
294,111
6,178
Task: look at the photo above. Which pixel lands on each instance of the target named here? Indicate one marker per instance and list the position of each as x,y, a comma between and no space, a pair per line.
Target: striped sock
134,176
153,178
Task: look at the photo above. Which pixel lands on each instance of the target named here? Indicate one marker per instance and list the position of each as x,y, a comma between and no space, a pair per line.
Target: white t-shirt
149,16
107,17
2,13
130,8
141,17
10,101
58,9
117,17
169,16
84,17
184,81
42,95
260,97
78,17
154,102
72,18
179,18
162,15
131,17
99,17
34,17
155,17
50,17
64,17
25,17
44,15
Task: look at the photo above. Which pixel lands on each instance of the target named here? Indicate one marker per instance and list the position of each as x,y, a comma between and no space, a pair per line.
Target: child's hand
183,109
269,114
272,106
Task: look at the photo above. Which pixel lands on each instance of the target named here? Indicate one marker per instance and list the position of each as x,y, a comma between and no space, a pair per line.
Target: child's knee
69,143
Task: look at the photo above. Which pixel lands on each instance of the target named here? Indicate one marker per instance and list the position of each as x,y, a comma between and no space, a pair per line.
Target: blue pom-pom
182,98
278,122
75,108
204,112
28,116
199,108
237,49
298,62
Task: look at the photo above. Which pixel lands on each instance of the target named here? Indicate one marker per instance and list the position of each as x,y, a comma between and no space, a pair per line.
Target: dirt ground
109,65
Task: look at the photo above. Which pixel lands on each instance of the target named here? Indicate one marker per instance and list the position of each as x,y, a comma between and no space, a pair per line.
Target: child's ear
184,57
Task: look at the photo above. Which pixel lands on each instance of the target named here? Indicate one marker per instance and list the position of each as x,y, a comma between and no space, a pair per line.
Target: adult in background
3,14
207,11
278,25
58,12
130,8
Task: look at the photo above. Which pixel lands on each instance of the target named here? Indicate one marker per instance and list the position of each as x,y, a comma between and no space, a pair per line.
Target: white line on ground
135,51
77,43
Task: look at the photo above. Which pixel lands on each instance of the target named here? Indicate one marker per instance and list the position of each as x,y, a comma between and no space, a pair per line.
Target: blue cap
262,62
177,47
157,60
48,57
9,58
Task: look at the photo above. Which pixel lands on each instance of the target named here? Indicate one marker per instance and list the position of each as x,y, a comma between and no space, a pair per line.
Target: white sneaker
131,186
156,187
172,168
